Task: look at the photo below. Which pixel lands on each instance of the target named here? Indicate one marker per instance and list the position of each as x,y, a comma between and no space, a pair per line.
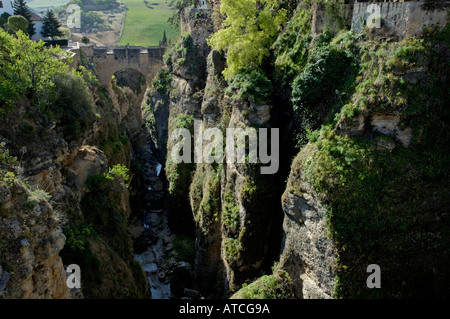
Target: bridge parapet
124,52
99,52
109,60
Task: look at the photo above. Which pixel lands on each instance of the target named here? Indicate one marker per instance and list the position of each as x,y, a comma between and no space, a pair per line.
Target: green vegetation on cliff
205,197
179,174
247,32
28,70
100,242
376,188
327,71
372,151
42,76
382,188
291,47
7,166
54,120
275,286
372,129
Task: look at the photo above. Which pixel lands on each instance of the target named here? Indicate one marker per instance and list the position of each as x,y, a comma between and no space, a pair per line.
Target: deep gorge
87,176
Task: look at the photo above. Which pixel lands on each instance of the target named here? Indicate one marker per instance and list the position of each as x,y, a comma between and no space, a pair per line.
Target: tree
4,18
91,19
249,29
20,8
66,33
16,23
51,25
28,69
164,39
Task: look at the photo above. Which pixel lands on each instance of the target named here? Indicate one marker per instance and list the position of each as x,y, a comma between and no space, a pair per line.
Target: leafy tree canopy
20,8
16,23
4,18
51,25
249,29
28,69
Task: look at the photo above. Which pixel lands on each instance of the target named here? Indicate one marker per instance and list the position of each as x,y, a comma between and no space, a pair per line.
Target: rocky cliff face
307,251
31,241
368,183
50,216
355,188
231,222
344,204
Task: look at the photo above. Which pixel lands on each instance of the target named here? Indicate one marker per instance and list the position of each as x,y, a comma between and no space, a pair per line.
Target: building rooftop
34,15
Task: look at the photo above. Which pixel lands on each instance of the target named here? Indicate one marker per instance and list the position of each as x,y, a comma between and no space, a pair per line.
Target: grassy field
41,5
145,23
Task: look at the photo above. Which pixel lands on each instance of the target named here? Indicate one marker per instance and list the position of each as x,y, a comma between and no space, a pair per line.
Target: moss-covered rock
275,286
379,171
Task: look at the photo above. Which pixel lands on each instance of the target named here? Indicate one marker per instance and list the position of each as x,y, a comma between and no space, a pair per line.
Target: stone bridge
109,61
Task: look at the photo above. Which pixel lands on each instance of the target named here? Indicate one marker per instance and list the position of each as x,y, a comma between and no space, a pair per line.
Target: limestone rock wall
402,18
31,239
49,194
307,252
229,250
398,18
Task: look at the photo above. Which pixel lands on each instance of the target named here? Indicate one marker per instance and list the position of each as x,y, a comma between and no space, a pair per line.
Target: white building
38,23
6,6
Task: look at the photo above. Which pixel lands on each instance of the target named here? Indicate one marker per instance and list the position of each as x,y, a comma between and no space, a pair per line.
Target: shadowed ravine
156,239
